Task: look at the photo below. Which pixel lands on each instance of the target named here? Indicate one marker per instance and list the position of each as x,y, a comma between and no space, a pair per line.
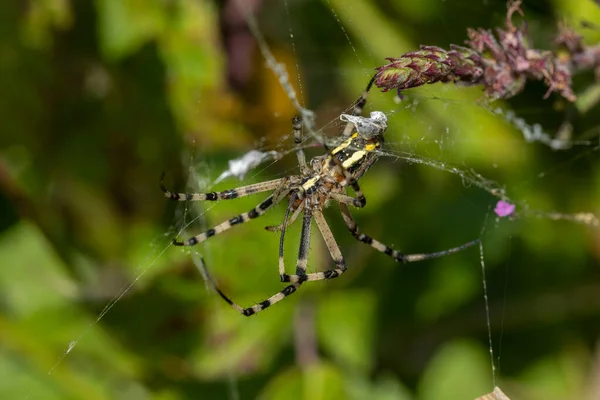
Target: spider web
439,146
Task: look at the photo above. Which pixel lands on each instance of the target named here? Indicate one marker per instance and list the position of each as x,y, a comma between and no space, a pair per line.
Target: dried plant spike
430,64
502,62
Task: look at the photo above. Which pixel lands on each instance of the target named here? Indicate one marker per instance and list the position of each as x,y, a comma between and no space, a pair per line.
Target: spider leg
359,105
359,201
297,125
395,254
302,251
257,211
224,195
304,170
294,217
282,235
334,251
301,266
257,307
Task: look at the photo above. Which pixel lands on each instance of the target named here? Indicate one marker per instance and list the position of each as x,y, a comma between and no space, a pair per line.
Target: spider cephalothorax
324,179
328,175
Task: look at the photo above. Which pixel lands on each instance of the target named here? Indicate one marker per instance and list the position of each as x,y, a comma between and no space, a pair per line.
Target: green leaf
321,381
460,370
346,325
234,344
385,387
126,25
561,376
454,284
42,16
50,347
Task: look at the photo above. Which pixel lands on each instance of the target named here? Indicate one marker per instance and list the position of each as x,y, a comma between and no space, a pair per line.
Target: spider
324,179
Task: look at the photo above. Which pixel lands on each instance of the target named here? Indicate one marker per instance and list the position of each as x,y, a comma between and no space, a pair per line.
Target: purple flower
504,208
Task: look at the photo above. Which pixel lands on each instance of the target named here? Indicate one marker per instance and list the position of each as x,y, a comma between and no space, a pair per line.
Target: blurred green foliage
97,98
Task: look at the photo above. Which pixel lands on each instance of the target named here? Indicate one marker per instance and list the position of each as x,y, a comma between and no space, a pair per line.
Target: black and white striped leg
359,105
257,307
362,200
359,201
334,251
240,219
297,125
282,235
301,266
395,254
304,247
290,221
223,195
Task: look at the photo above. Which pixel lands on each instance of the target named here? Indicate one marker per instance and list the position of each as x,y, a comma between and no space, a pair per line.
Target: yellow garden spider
323,179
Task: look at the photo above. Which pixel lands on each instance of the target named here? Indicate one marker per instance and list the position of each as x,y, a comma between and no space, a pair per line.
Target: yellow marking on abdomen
354,158
371,146
345,143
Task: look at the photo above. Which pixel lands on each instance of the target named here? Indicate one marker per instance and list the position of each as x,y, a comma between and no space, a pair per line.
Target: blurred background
97,98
